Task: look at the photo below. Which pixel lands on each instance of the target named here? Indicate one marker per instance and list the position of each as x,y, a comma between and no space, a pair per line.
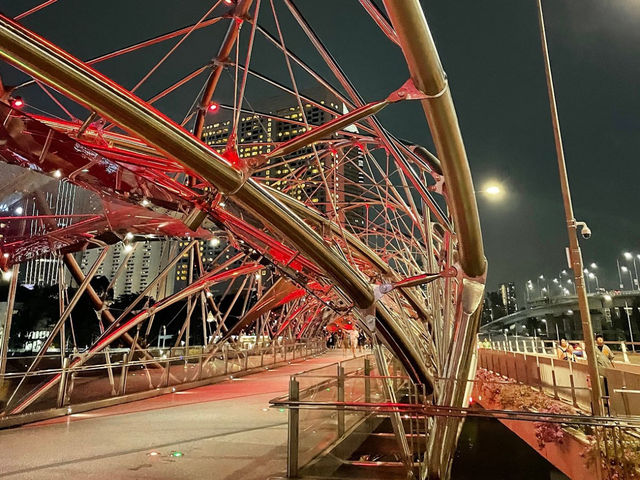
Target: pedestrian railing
116,376
567,380
313,429
335,412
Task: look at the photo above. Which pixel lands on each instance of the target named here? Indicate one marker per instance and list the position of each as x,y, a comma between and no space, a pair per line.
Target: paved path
224,431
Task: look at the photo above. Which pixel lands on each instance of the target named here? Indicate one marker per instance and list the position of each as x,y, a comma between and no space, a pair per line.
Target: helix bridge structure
316,213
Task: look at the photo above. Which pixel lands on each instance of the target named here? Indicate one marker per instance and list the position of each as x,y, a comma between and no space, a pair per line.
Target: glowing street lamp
492,190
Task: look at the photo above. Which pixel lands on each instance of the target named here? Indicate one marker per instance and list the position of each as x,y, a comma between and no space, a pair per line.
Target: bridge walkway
224,431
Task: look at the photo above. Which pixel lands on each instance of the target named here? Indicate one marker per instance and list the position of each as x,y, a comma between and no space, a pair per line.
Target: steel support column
6,327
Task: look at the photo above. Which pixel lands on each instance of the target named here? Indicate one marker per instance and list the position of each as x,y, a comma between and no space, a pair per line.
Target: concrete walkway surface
224,432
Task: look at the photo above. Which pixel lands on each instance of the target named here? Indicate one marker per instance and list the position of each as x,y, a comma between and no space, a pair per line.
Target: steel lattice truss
319,214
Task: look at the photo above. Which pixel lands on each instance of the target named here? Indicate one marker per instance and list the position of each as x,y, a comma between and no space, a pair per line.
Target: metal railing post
367,380
293,430
340,399
553,378
201,362
167,370
62,386
573,390
123,374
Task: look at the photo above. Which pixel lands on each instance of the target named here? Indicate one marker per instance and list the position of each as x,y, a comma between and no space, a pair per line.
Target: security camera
585,231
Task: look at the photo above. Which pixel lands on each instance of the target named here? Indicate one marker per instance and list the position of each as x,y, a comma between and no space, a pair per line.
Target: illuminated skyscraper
508,293
299,173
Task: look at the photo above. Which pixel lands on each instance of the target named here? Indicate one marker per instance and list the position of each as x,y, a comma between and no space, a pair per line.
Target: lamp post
629,256
572,229
619,274
546,327
570,282
586,272
541,277
627,311
593,276
626,270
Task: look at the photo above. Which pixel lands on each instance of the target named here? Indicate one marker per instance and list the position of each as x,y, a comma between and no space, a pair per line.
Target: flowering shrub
617,451
510,395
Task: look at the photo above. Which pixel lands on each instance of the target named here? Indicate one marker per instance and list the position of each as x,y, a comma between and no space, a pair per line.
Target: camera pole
574,247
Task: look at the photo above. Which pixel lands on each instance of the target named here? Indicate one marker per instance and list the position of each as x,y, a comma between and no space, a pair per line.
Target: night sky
491,53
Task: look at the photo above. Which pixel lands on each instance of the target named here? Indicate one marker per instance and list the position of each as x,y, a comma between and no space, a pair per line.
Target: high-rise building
497,307
298,173
61,198
145,262
487,314
212,252
279,120
508,293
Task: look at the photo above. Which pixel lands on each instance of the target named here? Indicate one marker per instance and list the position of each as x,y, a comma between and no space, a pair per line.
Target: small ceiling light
213,107
19,210
7,274
129,236
145,202
57,173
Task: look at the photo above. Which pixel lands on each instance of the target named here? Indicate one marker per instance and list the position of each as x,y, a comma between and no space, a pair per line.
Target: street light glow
593,265
627,255
492,189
